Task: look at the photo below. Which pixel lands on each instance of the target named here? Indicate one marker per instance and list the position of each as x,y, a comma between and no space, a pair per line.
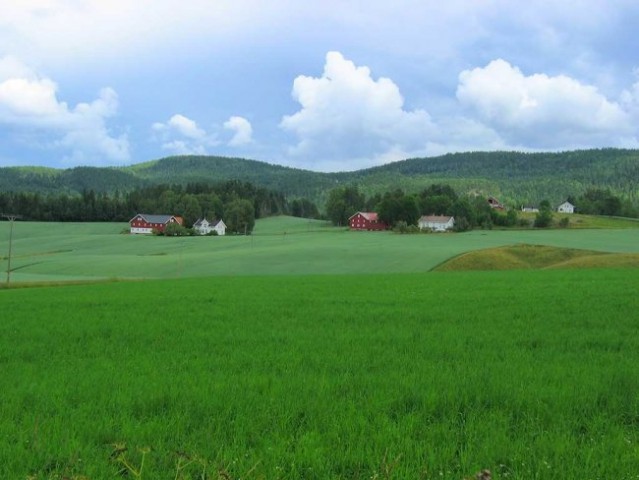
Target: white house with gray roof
203,227
566,207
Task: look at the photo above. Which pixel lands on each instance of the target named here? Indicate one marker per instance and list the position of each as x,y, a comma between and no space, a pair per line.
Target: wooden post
11,217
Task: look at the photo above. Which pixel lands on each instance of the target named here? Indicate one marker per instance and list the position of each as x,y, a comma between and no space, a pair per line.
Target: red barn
144,223
366,221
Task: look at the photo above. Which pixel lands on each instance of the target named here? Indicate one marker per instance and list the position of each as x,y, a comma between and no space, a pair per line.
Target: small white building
529,209
436,223
203,227
566,207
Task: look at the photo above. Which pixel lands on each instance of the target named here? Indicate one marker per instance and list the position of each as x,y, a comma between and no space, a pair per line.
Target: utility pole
11,217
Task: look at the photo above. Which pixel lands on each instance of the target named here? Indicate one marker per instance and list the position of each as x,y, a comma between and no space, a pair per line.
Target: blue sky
327,86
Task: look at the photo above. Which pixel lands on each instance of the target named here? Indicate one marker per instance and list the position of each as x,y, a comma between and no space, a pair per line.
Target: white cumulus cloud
186,126
243,131
348,119
630,98
182,136
541,111
29,103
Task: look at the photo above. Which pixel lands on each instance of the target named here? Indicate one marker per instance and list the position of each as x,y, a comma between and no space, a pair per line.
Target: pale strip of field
279,246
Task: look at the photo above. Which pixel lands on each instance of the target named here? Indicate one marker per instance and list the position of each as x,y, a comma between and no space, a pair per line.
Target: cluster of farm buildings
144,223
371,221
435,223
147,224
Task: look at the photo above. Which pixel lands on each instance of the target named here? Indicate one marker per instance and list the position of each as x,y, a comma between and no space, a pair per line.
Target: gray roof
212,223
155,218
435,218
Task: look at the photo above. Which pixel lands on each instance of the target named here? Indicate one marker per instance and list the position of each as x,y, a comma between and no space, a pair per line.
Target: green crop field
531,374
283,245
306,351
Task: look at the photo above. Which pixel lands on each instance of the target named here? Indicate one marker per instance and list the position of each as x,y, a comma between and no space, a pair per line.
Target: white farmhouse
203,227
436,223
566,207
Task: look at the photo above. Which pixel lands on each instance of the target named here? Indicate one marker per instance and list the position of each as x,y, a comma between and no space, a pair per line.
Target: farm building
145,224
436,223
494,203
529,209
566,207
204,227
366,221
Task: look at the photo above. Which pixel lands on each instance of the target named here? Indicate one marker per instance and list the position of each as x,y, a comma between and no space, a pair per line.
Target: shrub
523,222
176,230
400,227
543,219
462,225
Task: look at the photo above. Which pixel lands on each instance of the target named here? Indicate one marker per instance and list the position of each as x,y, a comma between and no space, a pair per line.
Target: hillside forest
240,203
516,178
599,182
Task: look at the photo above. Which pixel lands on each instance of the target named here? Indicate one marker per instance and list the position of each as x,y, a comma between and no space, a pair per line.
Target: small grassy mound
514,257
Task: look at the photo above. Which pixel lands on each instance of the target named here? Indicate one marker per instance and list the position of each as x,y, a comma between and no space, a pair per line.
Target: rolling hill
514,176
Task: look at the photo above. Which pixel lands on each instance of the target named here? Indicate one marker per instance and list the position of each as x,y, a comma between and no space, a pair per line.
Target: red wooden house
144,223
366,221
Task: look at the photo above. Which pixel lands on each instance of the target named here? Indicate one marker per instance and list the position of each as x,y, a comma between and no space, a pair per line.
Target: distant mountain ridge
514,176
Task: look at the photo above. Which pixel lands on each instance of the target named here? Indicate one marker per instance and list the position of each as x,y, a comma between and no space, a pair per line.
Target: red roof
370,216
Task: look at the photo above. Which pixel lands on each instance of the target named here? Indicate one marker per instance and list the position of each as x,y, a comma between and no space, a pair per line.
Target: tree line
240,203
598,201
470,211
237,203
397,207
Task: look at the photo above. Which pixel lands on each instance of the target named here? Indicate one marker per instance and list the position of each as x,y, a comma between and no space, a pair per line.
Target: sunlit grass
531,374
537,256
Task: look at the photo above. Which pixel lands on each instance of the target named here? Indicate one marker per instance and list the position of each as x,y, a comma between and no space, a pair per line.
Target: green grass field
280,246
310,352
531,374
576,220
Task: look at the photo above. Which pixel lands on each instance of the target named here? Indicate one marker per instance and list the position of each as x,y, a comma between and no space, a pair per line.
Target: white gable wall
436,226
220,228
566,207
204,228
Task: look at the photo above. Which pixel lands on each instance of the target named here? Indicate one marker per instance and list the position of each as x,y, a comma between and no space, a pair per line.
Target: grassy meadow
48,252
310,352
532,374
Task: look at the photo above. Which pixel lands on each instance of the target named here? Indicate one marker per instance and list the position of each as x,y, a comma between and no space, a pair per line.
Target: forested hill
195,169
180,170
514,176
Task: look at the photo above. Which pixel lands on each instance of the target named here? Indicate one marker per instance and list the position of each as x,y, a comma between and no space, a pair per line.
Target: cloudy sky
331,85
